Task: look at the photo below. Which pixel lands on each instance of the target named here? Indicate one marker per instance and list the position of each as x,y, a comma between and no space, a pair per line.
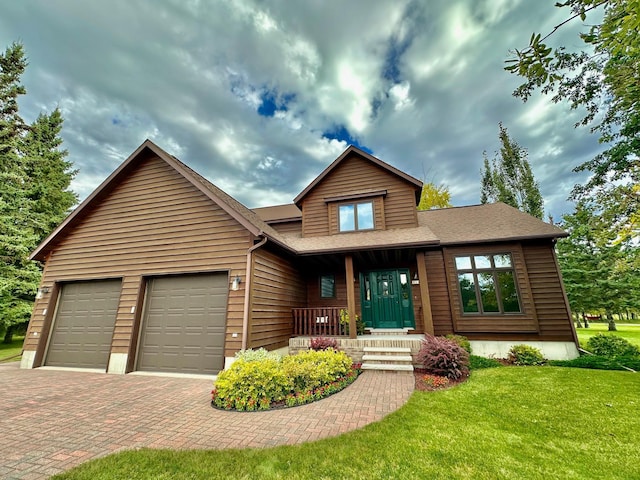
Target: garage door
83,324
183,328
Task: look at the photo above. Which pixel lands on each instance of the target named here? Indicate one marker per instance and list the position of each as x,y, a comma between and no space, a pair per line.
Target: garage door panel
184,324
83,325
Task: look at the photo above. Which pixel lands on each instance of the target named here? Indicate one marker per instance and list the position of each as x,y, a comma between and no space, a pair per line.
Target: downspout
247,293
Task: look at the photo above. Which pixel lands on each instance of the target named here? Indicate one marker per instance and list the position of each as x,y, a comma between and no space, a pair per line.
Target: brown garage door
183,328
83,324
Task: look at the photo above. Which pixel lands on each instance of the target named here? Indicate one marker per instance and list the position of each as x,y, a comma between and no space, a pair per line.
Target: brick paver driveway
52,420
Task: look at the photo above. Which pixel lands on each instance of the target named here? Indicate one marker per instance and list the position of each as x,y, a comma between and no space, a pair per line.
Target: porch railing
318,321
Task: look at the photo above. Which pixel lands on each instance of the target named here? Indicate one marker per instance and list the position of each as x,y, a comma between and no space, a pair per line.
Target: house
160,270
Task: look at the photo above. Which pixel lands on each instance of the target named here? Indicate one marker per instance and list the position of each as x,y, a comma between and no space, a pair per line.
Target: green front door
386,299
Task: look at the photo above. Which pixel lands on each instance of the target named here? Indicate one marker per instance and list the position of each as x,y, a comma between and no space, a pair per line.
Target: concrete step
388,331
387,350
388,367
386,358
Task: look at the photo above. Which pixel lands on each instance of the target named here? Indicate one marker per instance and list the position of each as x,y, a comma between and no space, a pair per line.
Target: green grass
629,331
10,350
504,423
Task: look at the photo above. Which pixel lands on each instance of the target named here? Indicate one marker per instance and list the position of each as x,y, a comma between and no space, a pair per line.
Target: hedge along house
159,270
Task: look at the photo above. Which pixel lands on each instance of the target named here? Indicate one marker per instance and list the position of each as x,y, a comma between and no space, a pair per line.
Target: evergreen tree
509,178
600,272
434,196
34,192
48,173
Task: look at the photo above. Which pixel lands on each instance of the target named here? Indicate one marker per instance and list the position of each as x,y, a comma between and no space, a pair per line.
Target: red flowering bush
323,343
443,357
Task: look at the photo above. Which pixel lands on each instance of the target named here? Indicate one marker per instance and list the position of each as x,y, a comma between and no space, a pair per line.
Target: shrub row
612,346
599,362
257,380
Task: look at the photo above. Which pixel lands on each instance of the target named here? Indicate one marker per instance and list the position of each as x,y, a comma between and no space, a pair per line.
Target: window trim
320,291
494,270
355,216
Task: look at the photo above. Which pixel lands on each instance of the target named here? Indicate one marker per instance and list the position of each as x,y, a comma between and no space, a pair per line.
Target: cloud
260,96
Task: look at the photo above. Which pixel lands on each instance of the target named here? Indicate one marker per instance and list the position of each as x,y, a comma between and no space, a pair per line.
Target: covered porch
387,289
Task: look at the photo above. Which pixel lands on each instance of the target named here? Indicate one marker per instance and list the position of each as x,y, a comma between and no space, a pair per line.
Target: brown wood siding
526,322
553,317
153,222
354,175
288,228
313,291
277,288
439,292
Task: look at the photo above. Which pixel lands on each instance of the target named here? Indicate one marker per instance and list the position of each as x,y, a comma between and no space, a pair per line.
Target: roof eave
548,236
360,248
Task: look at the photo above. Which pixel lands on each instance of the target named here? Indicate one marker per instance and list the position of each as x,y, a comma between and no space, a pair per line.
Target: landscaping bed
260,380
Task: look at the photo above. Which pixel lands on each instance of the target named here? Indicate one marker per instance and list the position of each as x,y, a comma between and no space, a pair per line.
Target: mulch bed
419,373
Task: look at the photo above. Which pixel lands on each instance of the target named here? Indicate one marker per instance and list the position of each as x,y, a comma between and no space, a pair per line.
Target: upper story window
487,284
355,216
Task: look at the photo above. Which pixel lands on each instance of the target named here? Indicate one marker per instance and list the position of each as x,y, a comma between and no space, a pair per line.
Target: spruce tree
34,192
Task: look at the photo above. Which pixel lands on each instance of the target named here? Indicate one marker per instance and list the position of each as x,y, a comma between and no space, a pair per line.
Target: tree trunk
8,335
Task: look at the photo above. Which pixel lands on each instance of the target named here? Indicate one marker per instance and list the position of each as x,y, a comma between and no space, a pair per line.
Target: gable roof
248,219
351,149
491,222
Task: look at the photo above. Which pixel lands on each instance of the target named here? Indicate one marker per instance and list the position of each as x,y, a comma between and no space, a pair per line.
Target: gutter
247,293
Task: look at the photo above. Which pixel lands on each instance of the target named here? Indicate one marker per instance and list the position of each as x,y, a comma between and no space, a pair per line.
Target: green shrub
310,368
251,381
460,340
257,379
251,355
443,357
476,362
599,362
344,321
612,346
525,355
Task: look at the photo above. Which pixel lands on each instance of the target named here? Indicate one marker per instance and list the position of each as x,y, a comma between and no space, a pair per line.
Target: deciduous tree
601,77
434,196
509,179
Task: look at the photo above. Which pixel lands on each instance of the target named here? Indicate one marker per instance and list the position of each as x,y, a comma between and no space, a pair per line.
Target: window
327,286
355,216
487,284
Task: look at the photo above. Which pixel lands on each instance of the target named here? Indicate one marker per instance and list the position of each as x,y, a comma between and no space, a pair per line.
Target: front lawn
625,330
8,351
503,423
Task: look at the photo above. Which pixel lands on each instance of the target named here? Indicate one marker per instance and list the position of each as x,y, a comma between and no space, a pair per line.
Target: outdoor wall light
41,291
236,283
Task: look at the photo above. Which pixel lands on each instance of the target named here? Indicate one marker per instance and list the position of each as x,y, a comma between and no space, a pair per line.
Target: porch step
387,367
387,358
388,331
387,350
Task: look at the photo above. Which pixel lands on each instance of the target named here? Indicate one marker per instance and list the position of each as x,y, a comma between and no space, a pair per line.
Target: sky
260,96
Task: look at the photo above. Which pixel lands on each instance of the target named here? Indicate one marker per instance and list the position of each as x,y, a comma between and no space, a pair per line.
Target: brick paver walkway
52,420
